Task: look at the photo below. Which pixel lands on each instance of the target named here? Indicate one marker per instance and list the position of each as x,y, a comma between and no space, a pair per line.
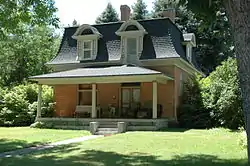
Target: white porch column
93,110
154,100
39,102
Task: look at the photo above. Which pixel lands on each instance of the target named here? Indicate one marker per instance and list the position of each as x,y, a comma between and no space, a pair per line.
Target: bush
20,105
222,97
191,112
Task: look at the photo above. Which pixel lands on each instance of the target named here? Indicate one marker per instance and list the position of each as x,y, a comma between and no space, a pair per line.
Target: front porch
135,96
84,123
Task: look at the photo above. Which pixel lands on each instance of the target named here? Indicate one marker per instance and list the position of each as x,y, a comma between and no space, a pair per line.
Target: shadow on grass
77,157
173,130
9,145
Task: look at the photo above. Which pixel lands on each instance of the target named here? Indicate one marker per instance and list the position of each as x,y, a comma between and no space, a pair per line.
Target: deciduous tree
237,12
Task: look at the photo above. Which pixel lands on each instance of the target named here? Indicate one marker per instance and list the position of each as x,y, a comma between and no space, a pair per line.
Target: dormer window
87,42
190,42
85,49
132,46
132,33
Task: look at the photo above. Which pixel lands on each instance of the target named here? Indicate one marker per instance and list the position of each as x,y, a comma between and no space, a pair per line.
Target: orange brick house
122,70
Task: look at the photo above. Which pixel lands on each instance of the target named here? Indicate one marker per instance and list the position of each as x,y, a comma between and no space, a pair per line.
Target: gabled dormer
87,38
131,33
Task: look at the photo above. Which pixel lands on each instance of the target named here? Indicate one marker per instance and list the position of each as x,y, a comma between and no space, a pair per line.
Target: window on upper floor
190,42
87,42
132,33
85,49
131,48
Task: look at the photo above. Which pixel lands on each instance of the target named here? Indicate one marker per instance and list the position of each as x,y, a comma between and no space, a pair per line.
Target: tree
160,5
221,96
108,15
139,10
237,12
31,12
75,23
214,40
32,50
191,112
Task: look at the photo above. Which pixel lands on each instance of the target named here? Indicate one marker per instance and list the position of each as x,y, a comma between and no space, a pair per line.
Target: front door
130,97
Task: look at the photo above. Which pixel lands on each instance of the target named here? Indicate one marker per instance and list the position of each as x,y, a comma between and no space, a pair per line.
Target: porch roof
125,73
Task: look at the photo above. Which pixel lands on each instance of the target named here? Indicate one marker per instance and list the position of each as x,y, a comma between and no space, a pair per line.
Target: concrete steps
107,128
106,131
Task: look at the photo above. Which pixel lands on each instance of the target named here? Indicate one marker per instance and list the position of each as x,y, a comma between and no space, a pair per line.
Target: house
129,71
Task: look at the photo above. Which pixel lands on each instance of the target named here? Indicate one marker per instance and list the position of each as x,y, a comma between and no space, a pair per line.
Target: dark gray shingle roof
163,40
124,70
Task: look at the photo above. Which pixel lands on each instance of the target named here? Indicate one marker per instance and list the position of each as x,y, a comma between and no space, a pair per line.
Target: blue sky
86,11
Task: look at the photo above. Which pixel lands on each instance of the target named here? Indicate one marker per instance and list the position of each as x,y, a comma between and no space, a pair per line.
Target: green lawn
215,147
19,137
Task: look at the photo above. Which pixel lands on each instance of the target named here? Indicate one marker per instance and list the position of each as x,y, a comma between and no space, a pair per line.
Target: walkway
48,146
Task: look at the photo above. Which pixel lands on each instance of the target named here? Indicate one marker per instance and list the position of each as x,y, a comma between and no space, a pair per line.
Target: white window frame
84,38
138,34
189,52
81,56
137,45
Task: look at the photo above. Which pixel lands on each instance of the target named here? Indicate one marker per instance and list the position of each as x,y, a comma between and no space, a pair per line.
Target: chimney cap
125,12
169,13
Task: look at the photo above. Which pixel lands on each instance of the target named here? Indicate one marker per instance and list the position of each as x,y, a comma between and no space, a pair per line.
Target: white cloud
86,11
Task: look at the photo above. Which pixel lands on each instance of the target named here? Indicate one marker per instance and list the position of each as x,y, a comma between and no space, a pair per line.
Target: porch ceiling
113,74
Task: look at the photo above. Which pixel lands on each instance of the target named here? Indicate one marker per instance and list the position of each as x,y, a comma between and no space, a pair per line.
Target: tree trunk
238,12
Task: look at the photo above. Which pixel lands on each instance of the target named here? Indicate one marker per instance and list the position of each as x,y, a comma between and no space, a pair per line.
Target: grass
217,147
12,138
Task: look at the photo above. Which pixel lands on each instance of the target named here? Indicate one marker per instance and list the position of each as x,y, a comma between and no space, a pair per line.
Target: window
87,38
131,46
85,95
189,52
132,34
85,49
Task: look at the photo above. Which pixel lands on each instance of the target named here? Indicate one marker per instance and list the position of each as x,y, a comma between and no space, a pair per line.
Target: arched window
132,33
87,42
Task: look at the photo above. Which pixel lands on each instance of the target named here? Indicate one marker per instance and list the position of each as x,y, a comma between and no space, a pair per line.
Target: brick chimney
169,13
125,12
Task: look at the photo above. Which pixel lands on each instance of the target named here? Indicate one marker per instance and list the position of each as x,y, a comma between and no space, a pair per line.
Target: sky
86,11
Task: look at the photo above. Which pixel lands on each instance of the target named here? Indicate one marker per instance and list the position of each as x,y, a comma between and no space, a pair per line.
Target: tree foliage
20,105
108,15
191,112
161,5
221,95
139,10
28,12
214,40
25,54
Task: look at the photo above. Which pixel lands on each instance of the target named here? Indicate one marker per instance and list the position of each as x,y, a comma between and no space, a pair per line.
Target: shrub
20,105
191,112
221,96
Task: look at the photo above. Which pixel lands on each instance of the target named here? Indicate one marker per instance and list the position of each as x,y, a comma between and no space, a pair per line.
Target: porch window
85,95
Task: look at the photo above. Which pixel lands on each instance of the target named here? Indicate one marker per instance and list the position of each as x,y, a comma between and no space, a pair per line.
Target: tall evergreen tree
108,15
75,23
139,10
161,5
